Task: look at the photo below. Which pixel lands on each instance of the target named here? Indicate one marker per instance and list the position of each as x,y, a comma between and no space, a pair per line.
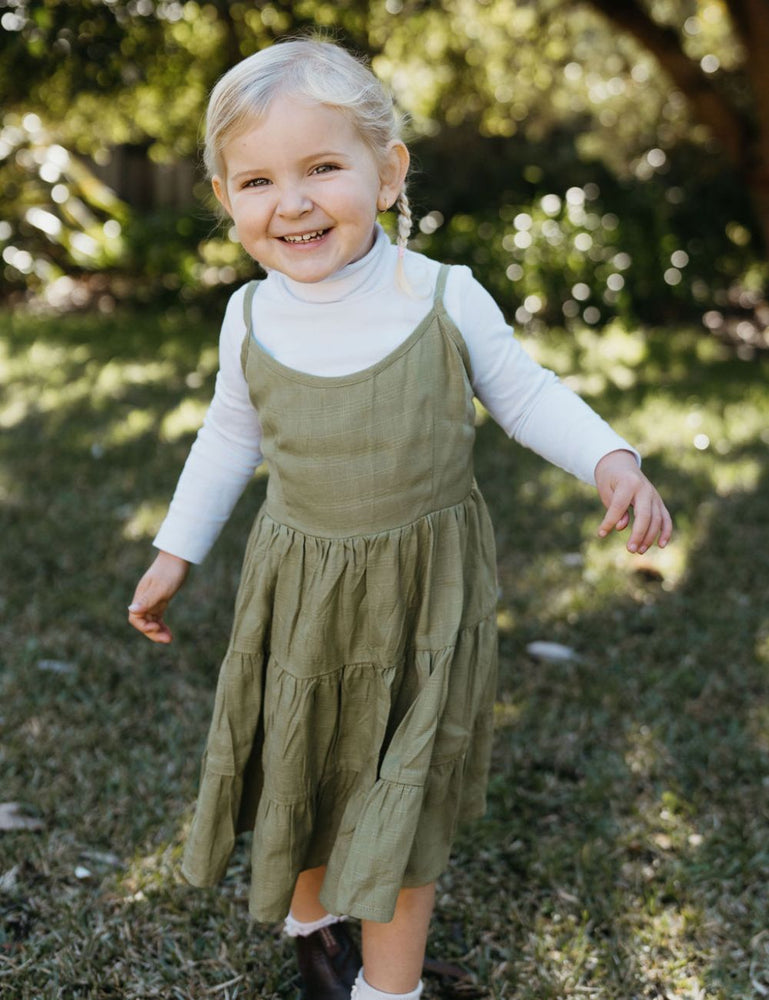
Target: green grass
624,854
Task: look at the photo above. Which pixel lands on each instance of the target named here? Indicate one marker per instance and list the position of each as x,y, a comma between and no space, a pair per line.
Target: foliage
508,101
624,850
58,215
556,242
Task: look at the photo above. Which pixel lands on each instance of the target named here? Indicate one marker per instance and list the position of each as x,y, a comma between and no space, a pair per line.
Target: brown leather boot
328,962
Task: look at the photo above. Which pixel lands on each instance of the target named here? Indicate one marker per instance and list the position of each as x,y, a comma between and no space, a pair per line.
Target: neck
359,277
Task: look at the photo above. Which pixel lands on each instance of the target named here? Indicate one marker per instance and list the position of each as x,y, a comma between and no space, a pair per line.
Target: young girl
353,716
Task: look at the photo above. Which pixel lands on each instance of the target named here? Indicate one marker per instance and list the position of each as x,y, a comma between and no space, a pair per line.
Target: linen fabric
352,720
349,322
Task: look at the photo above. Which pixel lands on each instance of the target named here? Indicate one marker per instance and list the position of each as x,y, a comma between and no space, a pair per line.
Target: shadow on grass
624,853
624,850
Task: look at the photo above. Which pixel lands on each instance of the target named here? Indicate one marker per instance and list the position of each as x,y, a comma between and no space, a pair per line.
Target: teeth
305,237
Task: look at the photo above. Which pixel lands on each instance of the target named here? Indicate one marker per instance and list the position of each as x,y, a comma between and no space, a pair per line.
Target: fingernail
134,607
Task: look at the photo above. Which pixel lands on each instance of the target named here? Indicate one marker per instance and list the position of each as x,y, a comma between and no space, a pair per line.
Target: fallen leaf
10,879
102,858
56,666
11,818
552,651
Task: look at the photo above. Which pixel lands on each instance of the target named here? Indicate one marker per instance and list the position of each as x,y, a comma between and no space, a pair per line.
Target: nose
294,201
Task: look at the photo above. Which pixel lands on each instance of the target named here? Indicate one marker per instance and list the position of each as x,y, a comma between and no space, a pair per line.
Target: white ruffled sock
298,928
362,991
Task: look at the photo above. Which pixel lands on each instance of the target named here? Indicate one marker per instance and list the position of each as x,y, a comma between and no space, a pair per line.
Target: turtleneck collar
362,277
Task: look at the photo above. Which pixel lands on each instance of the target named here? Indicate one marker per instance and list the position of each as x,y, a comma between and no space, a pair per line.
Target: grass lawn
625,853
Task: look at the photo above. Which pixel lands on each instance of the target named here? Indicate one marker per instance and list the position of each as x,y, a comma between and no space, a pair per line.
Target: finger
616,513
153,627
623,522
660,527
155,632
666,528
163,636
643,517
653,529
149,606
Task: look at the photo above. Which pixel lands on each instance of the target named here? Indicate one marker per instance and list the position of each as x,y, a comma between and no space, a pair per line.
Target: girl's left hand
622,485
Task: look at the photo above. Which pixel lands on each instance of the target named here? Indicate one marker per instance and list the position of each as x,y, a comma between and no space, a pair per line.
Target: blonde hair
317,70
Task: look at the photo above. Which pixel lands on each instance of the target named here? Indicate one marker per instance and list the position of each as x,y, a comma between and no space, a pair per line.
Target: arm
541,413
528,401
223,457
221,462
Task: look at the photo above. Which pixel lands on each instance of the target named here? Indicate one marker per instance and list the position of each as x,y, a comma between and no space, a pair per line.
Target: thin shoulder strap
448,326
440,286
248,300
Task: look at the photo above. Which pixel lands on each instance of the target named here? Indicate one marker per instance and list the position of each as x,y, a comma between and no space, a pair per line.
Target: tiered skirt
352,722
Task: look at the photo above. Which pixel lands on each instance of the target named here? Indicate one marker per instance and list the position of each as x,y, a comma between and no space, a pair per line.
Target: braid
404,220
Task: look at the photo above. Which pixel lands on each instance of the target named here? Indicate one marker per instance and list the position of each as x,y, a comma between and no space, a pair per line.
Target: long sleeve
527,401
223,457
316,328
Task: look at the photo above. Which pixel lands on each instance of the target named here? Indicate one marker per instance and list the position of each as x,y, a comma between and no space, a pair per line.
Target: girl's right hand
155,589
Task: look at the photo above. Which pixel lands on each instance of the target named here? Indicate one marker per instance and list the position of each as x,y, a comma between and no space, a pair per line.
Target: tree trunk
744,140
751,22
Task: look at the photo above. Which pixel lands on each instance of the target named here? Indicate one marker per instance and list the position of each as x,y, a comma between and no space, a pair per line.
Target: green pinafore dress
352,721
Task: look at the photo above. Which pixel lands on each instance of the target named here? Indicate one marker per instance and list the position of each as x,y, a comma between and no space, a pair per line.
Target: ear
392,174
220,190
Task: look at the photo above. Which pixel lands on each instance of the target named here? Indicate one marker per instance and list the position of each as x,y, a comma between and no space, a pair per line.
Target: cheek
363,202
246,212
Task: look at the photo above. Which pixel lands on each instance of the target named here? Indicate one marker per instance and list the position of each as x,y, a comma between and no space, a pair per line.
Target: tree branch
710,106
751,22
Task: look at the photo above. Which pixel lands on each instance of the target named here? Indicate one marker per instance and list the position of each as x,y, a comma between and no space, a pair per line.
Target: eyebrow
322,155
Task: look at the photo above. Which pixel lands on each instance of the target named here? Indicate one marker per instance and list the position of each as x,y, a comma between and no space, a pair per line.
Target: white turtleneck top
347,323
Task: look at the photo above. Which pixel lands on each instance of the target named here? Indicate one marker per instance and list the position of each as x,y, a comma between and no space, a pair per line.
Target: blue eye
256,182
325,168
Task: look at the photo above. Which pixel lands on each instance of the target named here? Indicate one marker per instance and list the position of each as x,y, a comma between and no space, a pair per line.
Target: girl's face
303,188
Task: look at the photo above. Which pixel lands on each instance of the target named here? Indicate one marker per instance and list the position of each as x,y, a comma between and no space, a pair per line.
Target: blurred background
590,160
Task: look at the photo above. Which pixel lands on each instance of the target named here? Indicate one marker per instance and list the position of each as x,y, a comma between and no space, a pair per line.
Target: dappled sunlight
592,361
131,426
144,521
597,350
740,476
623,854
113,376
600,867
708,437
579,583
183,420
51,378
662,950
152,873
506,713
506,621
14,410
635,771
608,560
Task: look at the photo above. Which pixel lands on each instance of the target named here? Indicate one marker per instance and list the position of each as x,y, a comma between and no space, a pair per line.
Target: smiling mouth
305,237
